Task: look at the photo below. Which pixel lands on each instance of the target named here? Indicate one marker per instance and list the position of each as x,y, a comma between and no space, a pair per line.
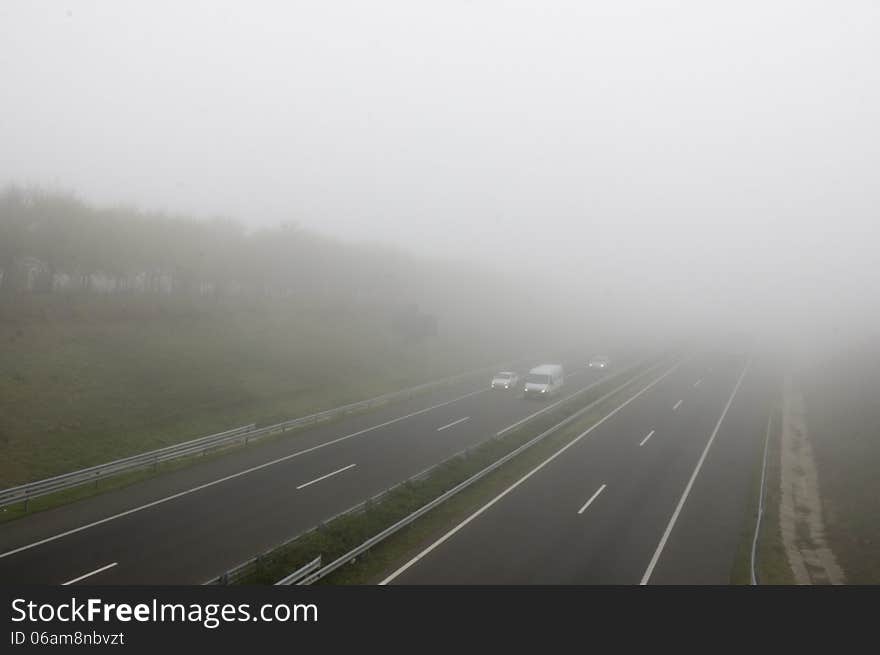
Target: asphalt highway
657,493
187,526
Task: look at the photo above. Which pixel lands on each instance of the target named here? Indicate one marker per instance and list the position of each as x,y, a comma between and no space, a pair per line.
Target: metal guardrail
26,492
301,572
248,567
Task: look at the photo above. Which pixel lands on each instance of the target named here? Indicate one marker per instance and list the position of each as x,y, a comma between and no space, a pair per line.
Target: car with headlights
600,362
505,380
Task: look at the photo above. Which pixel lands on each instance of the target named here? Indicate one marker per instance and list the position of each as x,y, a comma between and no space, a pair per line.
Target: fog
678,168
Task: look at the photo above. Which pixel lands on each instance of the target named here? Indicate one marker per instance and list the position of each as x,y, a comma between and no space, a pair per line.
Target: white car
505,380
599,361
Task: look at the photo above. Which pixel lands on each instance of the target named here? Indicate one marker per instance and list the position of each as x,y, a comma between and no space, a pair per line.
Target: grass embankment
843,417
773,566
340,535
88,380
772,563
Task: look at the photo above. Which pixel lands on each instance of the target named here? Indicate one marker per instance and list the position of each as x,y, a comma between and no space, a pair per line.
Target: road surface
656,494
188,526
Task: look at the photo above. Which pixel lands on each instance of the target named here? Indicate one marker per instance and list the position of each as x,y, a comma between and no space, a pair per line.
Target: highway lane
715,518
301,482
46,523
596,513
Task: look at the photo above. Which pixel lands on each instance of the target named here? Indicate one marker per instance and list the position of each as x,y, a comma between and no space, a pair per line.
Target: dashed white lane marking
324,477
449,425
644,441
232,476
676,406
687,489
89,575
528,475
697,383
592,498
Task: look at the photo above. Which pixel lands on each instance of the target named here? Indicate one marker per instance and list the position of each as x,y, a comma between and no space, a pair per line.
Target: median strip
525,477
352,534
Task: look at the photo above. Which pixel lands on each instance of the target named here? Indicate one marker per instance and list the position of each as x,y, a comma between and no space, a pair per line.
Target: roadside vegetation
79,392
123,331
772,567
844,425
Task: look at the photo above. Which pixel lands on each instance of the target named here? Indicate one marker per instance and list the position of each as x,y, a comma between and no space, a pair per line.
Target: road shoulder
801,521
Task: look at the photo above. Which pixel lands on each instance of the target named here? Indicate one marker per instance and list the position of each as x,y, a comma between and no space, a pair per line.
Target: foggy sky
708,158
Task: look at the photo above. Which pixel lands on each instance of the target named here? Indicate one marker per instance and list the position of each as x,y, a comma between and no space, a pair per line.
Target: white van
543,381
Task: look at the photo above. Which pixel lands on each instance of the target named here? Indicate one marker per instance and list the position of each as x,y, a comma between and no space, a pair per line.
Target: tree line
54,242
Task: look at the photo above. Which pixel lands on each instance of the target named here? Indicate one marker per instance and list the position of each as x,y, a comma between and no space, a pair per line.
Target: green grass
120,480
740,573
20,510
772,564
348,531
843,419
83,381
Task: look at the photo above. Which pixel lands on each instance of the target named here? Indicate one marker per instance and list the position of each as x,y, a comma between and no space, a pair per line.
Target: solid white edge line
324,477
449,425
571,443
592,498
88,575
687,490
232,476
677,405
754,555
645,440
